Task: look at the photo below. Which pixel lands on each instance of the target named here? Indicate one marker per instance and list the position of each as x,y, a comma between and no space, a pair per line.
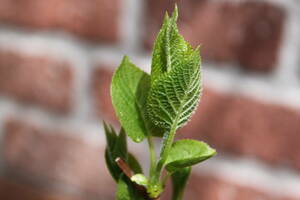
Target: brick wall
56,63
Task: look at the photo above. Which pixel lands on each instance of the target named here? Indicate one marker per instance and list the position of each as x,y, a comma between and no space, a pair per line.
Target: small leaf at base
186,153
140,179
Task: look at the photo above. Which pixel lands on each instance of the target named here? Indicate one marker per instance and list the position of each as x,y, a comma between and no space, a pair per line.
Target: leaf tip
125,59
166,17
175,12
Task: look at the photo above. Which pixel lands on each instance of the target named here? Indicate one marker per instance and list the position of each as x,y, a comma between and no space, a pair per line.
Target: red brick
248,33
93,19
101,93
213,187
40,80
210,187
16,191
245,126
54,157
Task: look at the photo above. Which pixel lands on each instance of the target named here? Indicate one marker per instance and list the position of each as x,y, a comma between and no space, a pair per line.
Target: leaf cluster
156,105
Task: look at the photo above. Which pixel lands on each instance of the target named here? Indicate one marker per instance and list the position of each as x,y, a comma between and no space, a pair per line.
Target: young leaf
179,180
112,167
129,91
116,147
120,148
185,153
134,164
175,78
140,179
111,136
159,62
126,190
123,190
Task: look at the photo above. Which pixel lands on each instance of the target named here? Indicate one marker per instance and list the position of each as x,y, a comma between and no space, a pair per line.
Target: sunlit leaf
185,153
175,78
129,91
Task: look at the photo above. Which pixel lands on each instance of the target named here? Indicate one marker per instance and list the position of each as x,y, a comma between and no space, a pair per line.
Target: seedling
156,105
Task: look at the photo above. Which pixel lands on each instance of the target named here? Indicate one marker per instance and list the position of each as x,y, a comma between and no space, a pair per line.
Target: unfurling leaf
185,153
175,78
140,179
120,148
129,91
179,181
117,148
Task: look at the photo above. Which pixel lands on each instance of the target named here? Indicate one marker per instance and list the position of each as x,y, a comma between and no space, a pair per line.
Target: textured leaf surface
179,180
175,78
185,153
129,91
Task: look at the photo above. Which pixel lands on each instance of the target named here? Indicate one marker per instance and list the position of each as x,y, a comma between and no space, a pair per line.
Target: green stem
156,187
167,144
152,156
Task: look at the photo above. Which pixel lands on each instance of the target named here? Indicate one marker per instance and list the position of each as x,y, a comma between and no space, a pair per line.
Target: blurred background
56,63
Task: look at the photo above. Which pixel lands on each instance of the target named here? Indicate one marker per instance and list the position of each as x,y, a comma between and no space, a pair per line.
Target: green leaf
129,90
123,190
140,179
110,134
126,190
185,153
120,148
111,140
175,78
179,180
112,167
116,147
134,164
159,54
